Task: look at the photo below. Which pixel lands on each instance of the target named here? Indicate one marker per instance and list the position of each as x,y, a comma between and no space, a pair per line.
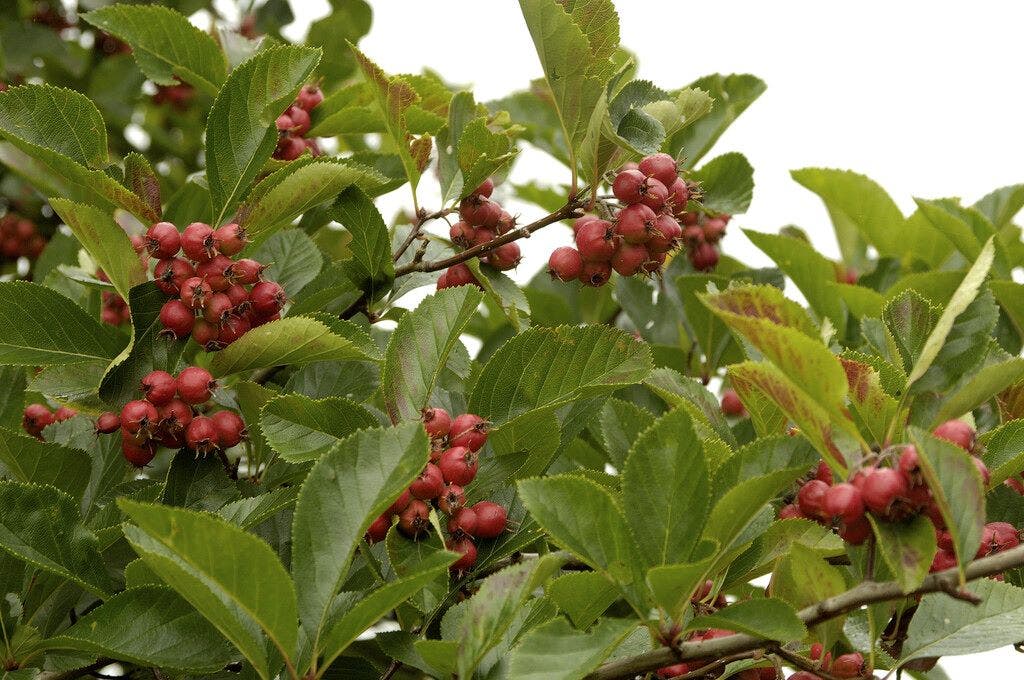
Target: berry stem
803,663
868,592
422,218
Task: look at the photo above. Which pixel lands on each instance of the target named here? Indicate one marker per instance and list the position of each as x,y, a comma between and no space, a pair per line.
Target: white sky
924,97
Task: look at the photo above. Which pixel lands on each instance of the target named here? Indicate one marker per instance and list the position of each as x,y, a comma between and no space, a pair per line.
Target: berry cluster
179,96
480,221
216,299
165,417
115,310
454,457
850,665
19,237
640,234
893,493
294,123
38,416
701,234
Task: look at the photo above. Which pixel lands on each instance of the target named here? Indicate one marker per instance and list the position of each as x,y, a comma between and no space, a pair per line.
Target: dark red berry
234,327
238,295
378,530
844,501
629,259
505,256
230,428
64,413
171,273
400,503
159,387
732,405
629,186
284,123
704,257
245,271
451,499
437,422
139,417
986,476
678,195
491,519
660,166
108,422
175,415
195,385
673,671
35,418
595,274
466,549
414,519
714,230
458,275
463,522
218,309
267,298
506,223
485,189
429,485
565,264
198,242
790,511
882,487
582,221
666,234
214,271
848,666
596,241
289,148
909,463
177,319
824,472
201,435
480,211
655,194
309,97
207,335
458,465
300,120
635,224
462,234
195,292
811,499
139,454
163,240
958,432
469,430
654,263
943,560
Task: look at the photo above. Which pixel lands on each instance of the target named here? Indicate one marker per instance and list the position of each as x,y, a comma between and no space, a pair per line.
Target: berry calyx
201,435
462,234
195,292
198,242
267,298
170,273
414,519
139,417
451,499
195,385
245,271
138,453
174,416
629,259
595,274
163,240
491,519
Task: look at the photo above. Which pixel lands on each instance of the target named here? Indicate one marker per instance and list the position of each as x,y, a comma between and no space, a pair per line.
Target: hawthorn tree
230,446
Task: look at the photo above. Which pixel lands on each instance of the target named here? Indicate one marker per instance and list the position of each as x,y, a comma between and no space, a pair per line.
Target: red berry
232,328
238,295
245,271
629,259
943,560
163,240
844,501
139,454
666,234
732,405
506,223
635,224
804,675
811,499
986,477
437,422
848,666
267,298
195,385
958,432
195,292
491,519
565,264
300,120
629,186
673,671
218,309
678,195
451,499
230,428
704,257
414,519
484,189
824,472
207,335
654,262
469,430
175,416
463,522
505,256
201,435
198,242
214,271
816,649
661,167
462,234
458,465
1004,536
139,417
582,221
596,241
429,485
464,547
693,235
882,488
655,194
714,230
177,319
400,503
108,422
378,530
309,97
138,243
289,148
170,273
159,387
791,511
284,123
457,275
909,463
480,211
595,274
259,319
64,413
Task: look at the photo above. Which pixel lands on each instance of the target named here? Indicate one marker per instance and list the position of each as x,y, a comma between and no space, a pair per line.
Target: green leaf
255,510
346,490
294,260
298,187
106,242
165,44
377,604
872,408
740,505
672,585
862,213
944,626
301,429
150,626
777,542
907,548
803,578
27,459
621,424
770,619
727,182
371,268
503,292
564,506
545,368
65,139
1004,451
556,651
964,295
199,485
12,396
956,486
583,596
762,456
1002,205
980,384
147,351
240,132
349,20
40,327
665,489
732,94
293,340
42,526
419,348
482,153
176,545
494,606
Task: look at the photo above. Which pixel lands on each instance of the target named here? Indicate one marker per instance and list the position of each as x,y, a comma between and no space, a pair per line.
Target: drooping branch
866,593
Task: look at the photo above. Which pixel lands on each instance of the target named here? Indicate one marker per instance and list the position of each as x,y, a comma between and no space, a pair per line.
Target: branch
421,219
866,593
570,210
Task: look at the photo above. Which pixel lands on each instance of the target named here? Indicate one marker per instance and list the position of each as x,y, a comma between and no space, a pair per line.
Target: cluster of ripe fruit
35,417
165,417
893,494
639,235
454,458
216,299
481,220
19,237
294,123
